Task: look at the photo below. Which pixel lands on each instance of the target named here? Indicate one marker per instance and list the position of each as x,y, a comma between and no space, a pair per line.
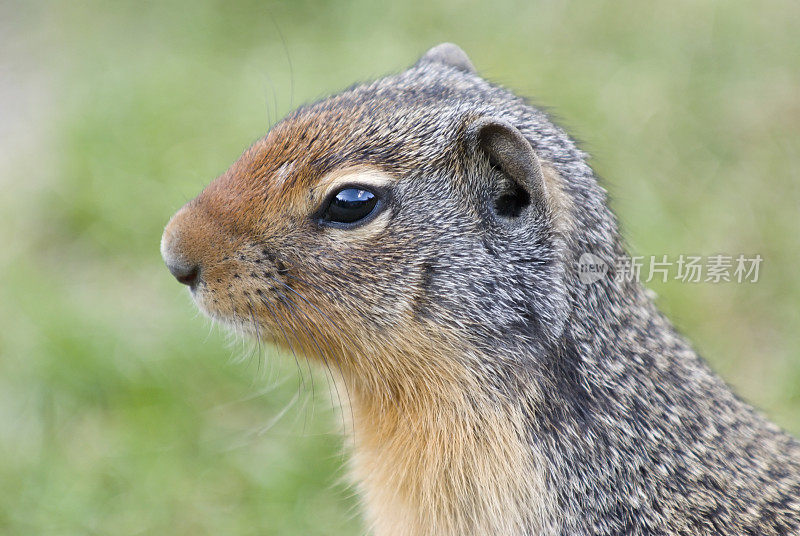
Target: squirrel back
419,237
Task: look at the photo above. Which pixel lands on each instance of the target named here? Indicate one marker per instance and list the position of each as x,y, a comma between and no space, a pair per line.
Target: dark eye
350,205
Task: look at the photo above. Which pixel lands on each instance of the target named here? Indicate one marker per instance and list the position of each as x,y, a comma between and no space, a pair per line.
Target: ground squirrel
419,236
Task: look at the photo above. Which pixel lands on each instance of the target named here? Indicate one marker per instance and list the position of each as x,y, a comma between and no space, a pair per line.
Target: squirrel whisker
307,327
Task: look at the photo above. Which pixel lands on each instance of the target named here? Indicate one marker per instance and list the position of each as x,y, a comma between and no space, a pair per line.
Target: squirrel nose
180,257
187,274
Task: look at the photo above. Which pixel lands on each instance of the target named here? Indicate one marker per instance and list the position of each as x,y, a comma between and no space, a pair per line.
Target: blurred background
123,411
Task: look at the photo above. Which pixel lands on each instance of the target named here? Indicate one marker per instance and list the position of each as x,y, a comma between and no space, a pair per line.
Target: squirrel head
423,209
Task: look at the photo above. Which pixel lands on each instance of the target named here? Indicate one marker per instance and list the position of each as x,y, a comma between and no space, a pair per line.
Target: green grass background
122,411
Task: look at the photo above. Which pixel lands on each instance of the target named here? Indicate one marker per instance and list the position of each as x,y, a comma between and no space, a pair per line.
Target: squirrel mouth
260,305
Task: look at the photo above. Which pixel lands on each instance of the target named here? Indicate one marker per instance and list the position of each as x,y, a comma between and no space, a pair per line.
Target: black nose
185,273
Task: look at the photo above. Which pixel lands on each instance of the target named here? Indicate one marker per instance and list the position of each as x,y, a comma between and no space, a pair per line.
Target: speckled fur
491,391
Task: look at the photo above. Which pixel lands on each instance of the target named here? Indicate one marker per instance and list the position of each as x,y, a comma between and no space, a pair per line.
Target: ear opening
512,202
522,185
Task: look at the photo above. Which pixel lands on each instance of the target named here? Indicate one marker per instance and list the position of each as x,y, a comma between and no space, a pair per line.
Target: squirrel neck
619,401
447,460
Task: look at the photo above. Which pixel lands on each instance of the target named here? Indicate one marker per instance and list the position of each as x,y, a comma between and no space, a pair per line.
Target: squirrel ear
450,55
509,151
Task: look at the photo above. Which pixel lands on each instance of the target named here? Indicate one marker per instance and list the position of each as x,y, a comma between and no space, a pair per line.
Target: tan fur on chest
446,467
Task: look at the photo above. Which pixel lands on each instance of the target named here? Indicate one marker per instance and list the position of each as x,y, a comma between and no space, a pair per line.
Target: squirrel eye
350,205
